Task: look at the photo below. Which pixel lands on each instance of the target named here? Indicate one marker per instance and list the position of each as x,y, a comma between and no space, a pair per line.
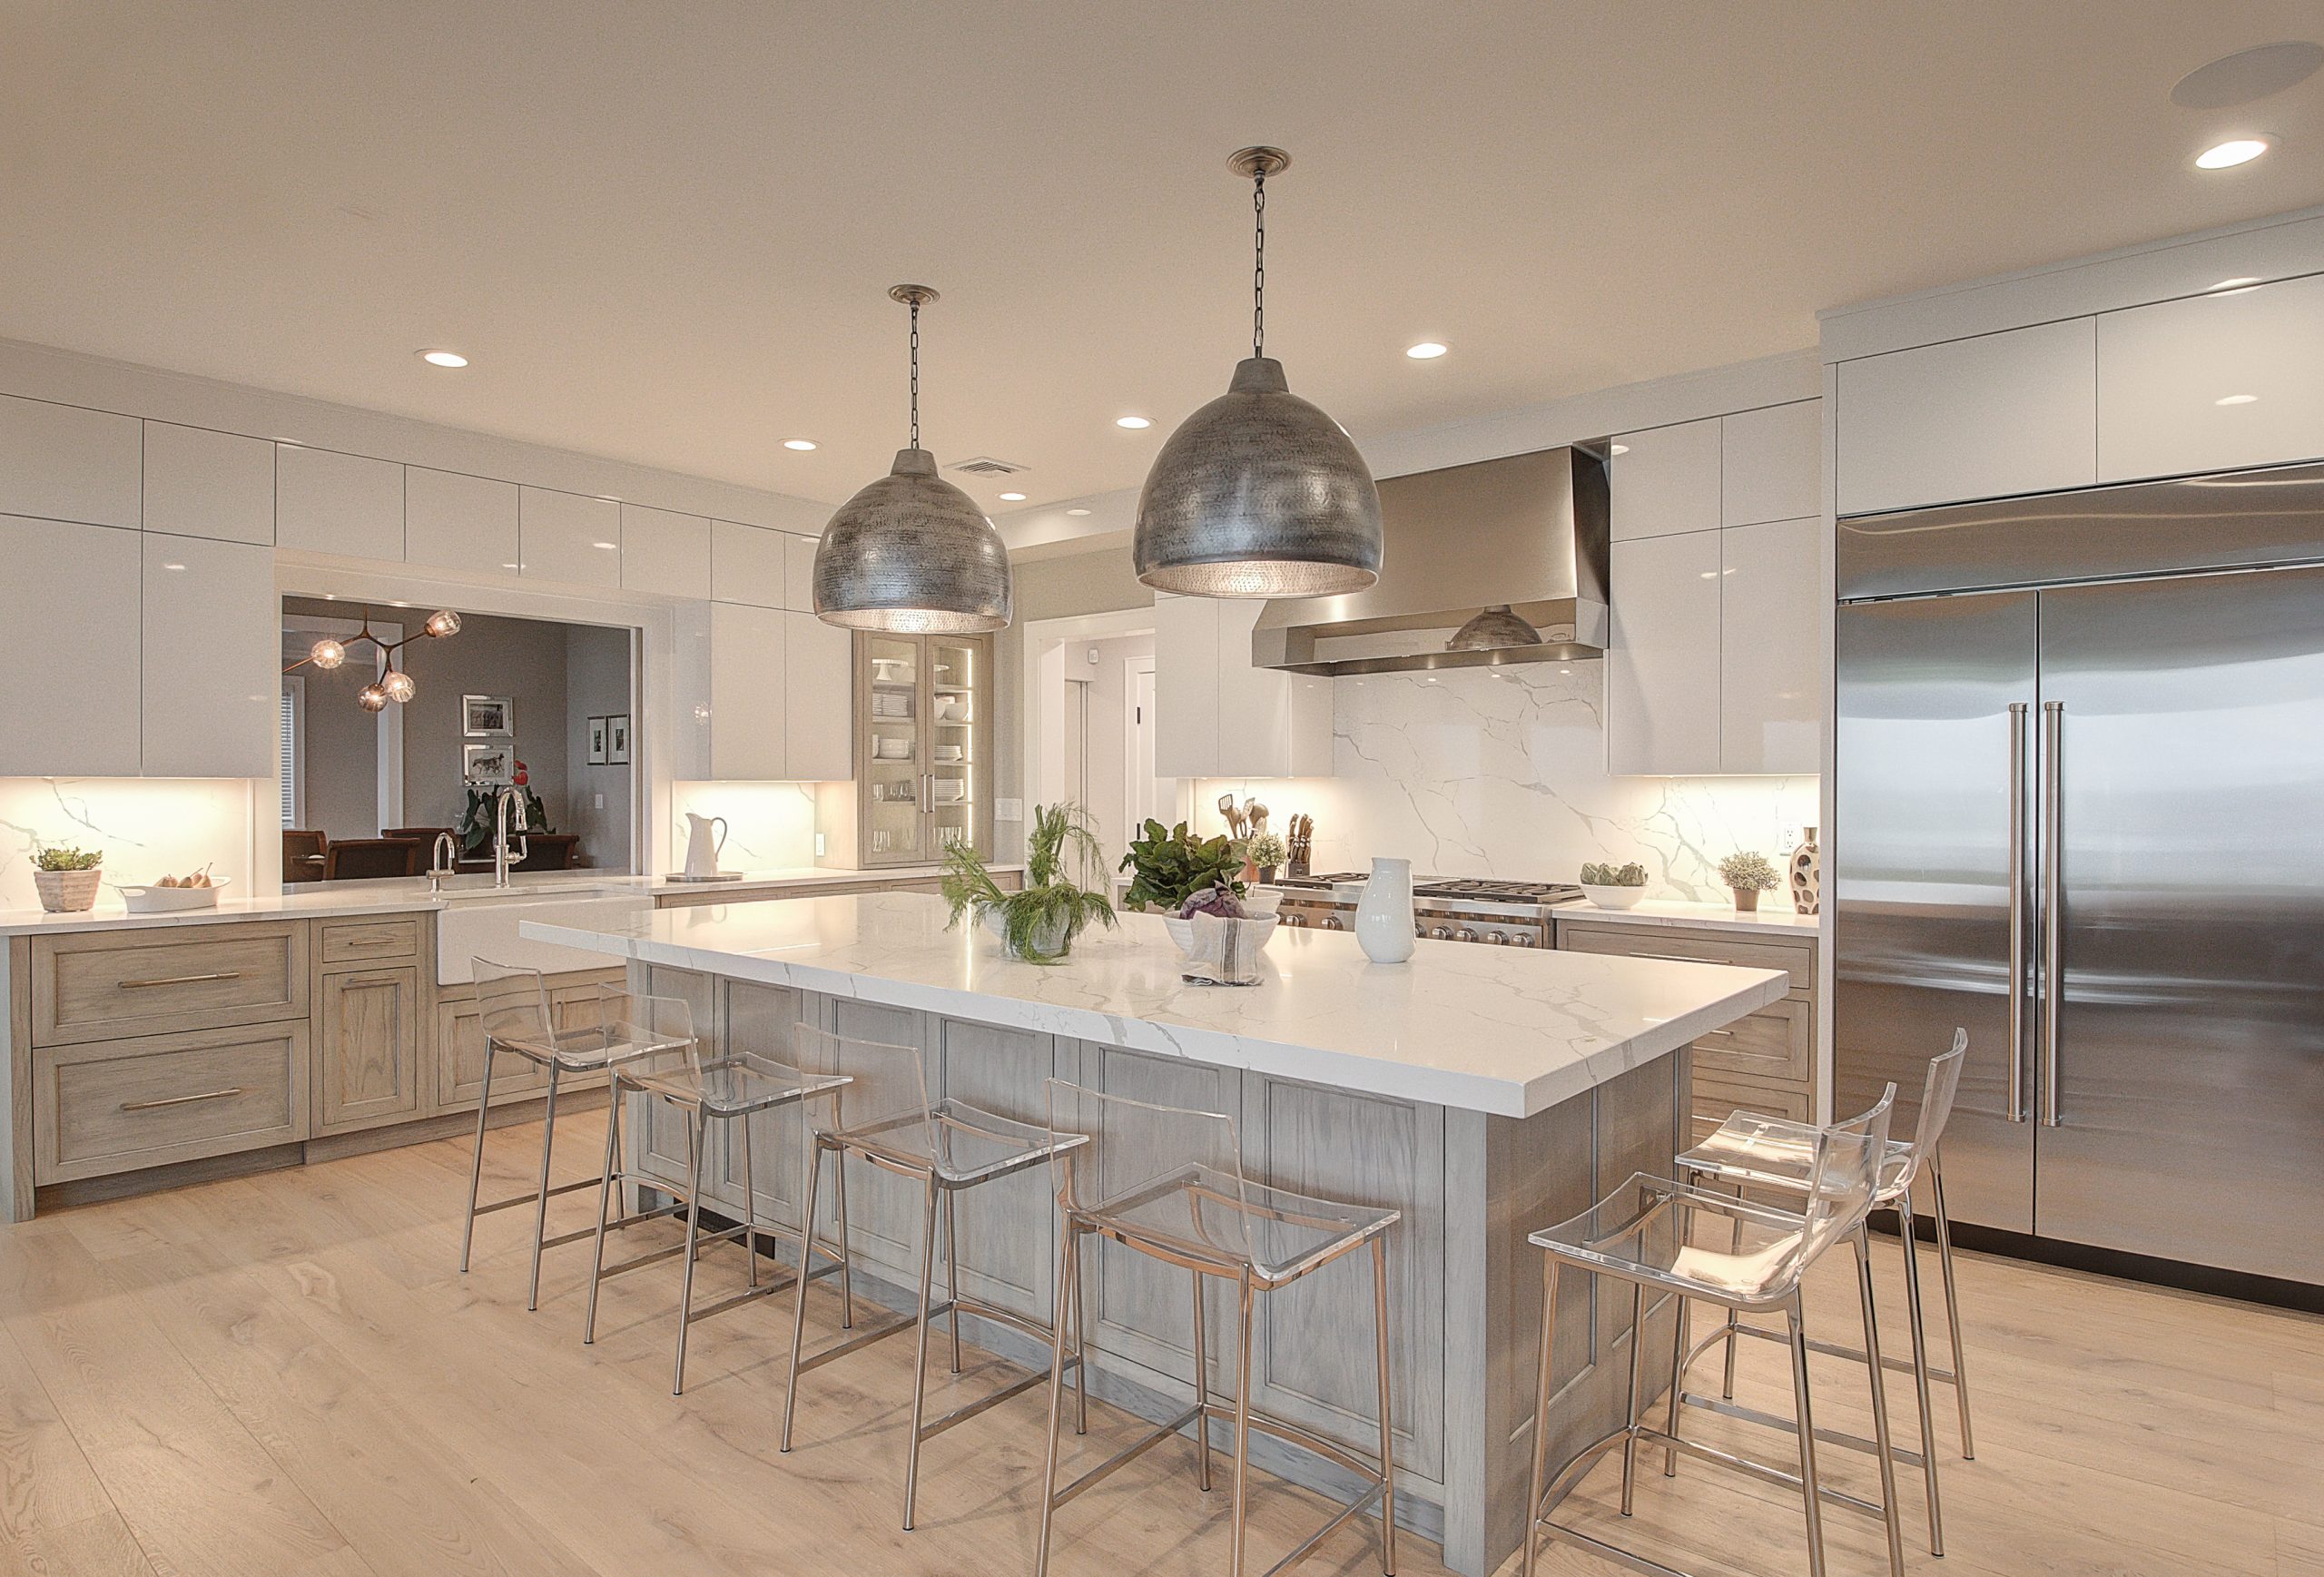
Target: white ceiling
664,231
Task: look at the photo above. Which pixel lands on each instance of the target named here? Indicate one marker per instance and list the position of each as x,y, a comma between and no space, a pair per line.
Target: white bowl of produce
158,899
1182,932
1612,897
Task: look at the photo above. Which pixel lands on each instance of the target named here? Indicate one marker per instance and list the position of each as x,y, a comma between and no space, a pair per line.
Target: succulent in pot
1611,886
1171,865
1039,923
67,878
1747,874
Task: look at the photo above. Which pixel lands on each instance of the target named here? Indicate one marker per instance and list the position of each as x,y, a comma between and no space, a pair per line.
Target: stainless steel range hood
1528,531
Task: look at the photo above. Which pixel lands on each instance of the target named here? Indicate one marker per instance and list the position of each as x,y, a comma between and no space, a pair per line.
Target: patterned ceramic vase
1807,875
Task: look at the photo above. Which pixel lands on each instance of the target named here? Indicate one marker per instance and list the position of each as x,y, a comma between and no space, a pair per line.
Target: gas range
1451,908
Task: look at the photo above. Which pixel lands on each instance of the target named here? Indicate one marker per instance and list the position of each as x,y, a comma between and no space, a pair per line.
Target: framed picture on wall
618,740
493,766
487,716
597,756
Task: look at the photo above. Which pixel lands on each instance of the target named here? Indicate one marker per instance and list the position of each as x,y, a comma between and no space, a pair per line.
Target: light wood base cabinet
367,1047
117,1106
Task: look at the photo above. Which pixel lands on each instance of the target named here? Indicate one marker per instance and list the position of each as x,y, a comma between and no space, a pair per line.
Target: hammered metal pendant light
911,553
1258,494
1492,631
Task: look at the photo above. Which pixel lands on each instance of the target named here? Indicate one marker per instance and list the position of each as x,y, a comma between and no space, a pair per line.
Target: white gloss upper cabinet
455,522
664,551
200,483
747,563
328,502
212,659
1988,418
60,462
70,650
1662,664
1772,603
2212,383
1186,687
818,683
747,662
1218,714
1771,464
1665,480
568,537
799,572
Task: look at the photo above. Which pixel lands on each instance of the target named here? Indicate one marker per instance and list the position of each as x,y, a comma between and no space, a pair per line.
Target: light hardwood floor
284,1375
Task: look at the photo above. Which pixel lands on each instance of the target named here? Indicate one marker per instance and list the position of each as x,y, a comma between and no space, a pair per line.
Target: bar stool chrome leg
1892,1521
1917,1327
919,1354
476,1165
1951,1300
540,1205
1387,1427
1812,1494
1201,1389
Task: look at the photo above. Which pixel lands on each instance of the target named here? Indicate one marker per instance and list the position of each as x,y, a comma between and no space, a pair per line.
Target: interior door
1933,778
2187,1089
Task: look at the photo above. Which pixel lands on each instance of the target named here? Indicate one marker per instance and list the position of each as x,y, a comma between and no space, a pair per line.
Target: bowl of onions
1222,903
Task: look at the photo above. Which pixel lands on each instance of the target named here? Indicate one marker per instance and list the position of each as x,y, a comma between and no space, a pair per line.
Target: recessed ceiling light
2227,156
1012,497
606,547
802,445
1427,350
1617,450
511,565
2237,400
1132,422
1077,511
172,567
2229,287
443,359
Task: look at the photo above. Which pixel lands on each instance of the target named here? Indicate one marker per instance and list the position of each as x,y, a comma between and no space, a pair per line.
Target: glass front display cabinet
923,719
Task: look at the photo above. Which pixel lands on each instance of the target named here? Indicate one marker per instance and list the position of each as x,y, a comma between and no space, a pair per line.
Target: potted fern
67,878
1039,923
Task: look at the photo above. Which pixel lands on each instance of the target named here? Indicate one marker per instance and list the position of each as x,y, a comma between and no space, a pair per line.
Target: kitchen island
1484,1092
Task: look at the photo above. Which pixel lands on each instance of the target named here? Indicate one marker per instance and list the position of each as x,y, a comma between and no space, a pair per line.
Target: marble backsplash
147,828
769,825
1501,772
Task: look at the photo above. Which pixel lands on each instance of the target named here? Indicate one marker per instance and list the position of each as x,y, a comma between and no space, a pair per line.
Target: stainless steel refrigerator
2080,810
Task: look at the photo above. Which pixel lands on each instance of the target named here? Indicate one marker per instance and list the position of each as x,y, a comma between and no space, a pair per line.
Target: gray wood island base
1464,1286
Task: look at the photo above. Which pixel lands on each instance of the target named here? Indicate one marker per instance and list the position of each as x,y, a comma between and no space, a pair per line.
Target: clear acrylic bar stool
884,1116
707,1087
1772,1155
581,1034
1643,1233
1168,1183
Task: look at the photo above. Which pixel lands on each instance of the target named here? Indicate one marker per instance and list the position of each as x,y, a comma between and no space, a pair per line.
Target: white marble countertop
1486,1029
1774,915
410,894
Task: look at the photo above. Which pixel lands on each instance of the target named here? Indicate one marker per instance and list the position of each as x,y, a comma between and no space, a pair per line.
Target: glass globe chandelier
1259,493
393,684
911,553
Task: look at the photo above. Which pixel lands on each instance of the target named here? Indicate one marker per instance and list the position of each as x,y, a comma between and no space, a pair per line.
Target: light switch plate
1008,810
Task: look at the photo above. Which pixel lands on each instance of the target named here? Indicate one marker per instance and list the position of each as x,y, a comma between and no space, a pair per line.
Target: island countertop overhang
1501,1031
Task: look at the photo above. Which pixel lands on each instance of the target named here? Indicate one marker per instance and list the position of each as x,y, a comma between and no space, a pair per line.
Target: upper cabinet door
69,650
1771,464
799,572
819,691
1988,418
1186,687
212,644
570,537
1665,480
200,483
328,502
452,521
1772,602
2212,383
746,693
664,551
1662,679
60,462
747,563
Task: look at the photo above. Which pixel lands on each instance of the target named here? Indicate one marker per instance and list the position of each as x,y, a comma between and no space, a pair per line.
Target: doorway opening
1089,722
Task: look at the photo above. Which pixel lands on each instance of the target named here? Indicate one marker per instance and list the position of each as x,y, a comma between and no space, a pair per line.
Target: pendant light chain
915,374
1259,264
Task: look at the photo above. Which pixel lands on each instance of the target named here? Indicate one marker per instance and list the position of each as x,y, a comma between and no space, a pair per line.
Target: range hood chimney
1523,537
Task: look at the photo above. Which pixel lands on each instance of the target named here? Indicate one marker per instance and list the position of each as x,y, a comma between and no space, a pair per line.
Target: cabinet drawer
1694,947
370,940
1716,1098
115,1106
108,985
1774,1042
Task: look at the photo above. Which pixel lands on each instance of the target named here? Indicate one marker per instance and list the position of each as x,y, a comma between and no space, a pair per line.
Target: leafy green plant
474,831
1747,871
1631,875
64,857
1039,923
1267,852
1171,865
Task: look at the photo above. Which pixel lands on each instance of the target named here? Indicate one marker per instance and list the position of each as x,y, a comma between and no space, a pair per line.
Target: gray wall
522,659
596,684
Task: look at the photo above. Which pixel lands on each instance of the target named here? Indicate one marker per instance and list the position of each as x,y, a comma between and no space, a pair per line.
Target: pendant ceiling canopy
1258,494
911,553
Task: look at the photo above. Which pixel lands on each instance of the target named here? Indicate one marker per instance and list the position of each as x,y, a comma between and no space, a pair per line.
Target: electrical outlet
819,845
597,802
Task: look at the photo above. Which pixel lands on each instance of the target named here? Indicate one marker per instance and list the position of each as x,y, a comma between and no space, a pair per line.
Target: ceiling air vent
986,466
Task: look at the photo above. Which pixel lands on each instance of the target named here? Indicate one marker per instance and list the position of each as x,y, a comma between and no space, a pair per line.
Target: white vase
1383,920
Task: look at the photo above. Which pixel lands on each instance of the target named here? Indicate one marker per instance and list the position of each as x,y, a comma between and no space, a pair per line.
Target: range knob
1464,934
1522,938
1332,923
1497,939
1294,920
1441,932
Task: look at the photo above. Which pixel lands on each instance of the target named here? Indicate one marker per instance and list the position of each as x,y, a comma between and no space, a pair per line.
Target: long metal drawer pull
182,980
1707,1033
1676,958
180,1099
2016,911
2053,941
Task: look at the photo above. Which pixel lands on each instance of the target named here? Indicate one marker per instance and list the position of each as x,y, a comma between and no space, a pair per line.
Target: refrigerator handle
2016,1112
2054,983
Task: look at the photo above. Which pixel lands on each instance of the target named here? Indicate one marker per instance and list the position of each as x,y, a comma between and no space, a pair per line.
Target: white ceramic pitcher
701,848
